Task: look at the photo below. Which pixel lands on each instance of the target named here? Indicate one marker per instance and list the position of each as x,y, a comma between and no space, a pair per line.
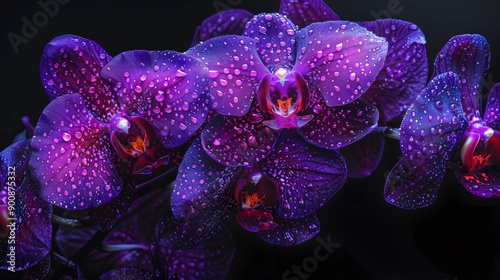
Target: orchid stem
389,132
74,223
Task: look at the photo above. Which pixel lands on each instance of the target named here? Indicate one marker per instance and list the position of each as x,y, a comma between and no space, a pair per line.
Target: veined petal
405,70
305,12
72,64
307,176
200,200
72,159
492,112
167,88
226,22
238,141
364,156
342,59
274,35
337,127
291,232
235,71
434,123
468,56
413,187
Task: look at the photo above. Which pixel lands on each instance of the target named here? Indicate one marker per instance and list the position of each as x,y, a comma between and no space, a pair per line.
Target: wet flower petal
72,159
413,187
234,69
225,22
238,141
72,64
307,176
127,273
483,183
468,56
404,73
200,200
336,127
492,112
364,156
167,88
305,12
341,58
291,232
274,35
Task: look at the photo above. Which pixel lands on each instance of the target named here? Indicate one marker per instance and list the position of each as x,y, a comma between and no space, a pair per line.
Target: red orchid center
481,148
284,94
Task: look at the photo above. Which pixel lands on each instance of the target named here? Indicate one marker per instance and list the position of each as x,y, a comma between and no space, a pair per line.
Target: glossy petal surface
468,56
336,127
72,160
341,58
483,183
305,12
167,88
72,64
307,176
226,22
235,71
404,73
364,156
127,273
492,112
238,141
291,232
274,35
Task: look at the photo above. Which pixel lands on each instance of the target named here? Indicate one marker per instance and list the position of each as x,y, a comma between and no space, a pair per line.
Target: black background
457,238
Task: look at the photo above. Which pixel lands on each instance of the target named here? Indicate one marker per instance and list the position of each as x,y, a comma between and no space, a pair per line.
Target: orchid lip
480,147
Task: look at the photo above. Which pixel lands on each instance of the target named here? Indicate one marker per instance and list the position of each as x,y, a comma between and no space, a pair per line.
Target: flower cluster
142,157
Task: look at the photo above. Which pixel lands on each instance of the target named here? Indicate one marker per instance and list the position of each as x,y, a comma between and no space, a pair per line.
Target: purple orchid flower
25,219
134,108
276,197
284,78
402,77
444,124
130,248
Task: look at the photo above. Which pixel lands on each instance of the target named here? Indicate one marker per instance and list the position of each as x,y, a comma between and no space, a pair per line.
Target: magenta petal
208,260
468,56
413,187
226,22
237,141
341,58
492,112
364,156
404,73
434,123
336,127
72,64
235,70
305,12
72,159
291,232
483,183
127,273
307,176
274,35
167,88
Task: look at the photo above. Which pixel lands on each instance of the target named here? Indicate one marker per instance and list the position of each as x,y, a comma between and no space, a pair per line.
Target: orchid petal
274,35
72,159
483,183
235,70
291,232
305,12
226,22
238,141
364,156
307,176
127,273
468,56
492,112
342,59
404,73
167,88
72,64
337,127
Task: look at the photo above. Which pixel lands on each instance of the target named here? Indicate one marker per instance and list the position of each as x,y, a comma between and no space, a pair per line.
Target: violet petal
364,156
127,273
492,112
305,12
483,183
291,232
